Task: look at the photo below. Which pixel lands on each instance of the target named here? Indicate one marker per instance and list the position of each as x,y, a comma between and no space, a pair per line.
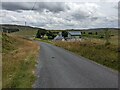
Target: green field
25,31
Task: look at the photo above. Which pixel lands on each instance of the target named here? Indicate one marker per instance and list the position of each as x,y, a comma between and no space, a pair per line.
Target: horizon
59,29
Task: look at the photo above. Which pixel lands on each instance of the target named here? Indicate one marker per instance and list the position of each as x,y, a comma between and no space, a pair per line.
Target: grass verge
0,60
105,55
19,57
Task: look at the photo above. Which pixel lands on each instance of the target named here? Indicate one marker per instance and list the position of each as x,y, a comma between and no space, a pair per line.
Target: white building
74,35
59,37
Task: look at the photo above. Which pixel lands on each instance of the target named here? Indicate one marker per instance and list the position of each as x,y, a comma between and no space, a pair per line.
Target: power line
34,5
31,9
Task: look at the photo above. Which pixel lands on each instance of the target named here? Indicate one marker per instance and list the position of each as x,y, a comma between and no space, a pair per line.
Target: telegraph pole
25,25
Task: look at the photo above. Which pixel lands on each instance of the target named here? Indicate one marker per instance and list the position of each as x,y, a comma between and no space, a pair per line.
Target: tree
50,35
89,32
96,33
41,33
83,32
38,34
64,34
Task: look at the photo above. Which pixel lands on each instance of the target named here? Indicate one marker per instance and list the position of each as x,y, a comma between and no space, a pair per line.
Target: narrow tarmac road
58,68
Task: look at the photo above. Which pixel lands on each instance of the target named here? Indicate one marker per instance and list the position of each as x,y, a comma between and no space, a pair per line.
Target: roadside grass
98,52
44,40
0,60
113,40
19,57
0,42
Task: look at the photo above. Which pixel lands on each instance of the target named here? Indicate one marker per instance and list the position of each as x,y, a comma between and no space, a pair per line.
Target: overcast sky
61,15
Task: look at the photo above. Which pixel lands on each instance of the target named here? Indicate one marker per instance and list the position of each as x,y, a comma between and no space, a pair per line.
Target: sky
61,15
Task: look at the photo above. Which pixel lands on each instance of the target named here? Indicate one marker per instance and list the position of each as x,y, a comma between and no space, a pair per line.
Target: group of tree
64,34
40,33
44,34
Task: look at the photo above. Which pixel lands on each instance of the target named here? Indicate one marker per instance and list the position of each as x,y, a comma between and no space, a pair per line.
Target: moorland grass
18,62
98,52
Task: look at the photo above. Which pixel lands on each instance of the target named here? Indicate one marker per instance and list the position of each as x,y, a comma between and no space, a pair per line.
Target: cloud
82,11
38,6
52,15
13,6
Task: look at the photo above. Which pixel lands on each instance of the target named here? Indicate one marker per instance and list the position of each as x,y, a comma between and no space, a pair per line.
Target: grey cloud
80,15
53,7
37,24
83,16
19,11
94,18
14,6
39,6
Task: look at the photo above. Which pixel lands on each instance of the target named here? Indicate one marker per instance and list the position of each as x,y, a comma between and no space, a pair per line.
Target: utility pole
25,25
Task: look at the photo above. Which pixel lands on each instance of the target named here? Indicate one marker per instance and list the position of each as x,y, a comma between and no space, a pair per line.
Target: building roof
58,37
74,32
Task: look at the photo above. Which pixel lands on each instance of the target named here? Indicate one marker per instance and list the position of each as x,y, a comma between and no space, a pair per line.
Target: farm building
74,35
59,37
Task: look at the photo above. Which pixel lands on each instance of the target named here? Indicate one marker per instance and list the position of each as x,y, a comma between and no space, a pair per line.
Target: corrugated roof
74,32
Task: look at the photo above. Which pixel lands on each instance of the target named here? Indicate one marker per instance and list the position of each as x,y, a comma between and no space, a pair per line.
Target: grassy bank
19,57
0,60
98,52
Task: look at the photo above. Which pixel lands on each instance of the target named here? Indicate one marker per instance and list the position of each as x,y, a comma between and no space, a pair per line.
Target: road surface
58,68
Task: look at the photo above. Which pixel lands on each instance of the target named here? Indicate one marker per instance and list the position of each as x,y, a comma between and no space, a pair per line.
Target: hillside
25,31
18,62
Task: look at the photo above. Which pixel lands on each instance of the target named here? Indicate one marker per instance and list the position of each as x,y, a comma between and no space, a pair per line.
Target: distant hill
26,31
18,26
93,29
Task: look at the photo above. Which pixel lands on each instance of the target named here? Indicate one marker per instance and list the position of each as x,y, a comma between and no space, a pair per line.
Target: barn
74,35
